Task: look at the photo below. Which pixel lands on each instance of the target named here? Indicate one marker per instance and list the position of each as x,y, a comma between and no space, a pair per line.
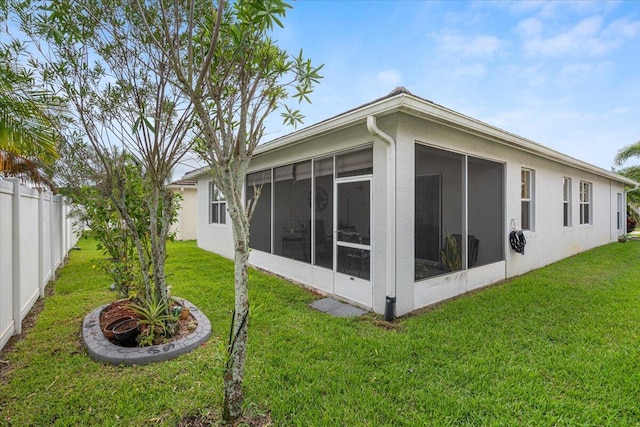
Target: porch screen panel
260,225
323,172
292,211
354,226
485,244
438,212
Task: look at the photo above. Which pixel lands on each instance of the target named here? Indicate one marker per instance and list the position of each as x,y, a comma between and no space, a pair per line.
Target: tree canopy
28,139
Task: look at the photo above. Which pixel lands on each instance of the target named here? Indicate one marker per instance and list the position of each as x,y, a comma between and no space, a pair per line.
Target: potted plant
622,238
108,330
127,331
156,320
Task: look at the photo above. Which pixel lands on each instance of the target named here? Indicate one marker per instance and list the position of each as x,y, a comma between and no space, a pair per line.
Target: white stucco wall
548,242
186,225
216,238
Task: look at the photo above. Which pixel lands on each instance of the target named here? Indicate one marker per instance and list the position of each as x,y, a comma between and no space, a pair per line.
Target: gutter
390,300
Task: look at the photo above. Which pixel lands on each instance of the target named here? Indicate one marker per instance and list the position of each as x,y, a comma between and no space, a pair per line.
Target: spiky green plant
450,255
159,322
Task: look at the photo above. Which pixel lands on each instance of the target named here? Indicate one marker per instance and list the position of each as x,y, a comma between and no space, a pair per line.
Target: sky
565,74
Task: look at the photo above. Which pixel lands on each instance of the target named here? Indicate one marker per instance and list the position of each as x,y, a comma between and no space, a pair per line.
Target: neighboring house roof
401,100
182,183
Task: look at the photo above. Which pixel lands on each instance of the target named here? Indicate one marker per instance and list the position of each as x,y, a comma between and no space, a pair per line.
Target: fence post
15,248
52,243
62,231
41,273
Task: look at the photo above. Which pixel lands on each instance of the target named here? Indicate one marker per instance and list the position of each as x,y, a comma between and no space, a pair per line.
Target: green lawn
558,346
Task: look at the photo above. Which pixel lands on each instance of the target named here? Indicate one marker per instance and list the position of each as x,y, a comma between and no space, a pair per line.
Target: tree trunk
237,349
159,229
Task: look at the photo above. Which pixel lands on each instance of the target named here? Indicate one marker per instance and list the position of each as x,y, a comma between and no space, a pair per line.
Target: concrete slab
326,304
336,308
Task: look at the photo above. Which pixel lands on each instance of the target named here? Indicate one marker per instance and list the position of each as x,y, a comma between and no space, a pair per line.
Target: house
402,203
185,227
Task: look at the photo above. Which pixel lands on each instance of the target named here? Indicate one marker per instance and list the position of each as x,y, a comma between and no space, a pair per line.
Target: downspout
390,301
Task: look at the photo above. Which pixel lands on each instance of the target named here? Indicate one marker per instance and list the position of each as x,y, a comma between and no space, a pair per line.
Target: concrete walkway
336,308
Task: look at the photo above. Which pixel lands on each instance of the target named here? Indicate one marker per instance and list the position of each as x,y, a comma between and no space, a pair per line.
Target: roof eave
419,107
437,113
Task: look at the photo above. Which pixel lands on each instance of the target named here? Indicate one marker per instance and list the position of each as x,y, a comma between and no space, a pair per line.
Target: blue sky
564,74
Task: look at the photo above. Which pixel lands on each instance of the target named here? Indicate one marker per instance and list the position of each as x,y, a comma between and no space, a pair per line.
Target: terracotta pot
108,330
126,332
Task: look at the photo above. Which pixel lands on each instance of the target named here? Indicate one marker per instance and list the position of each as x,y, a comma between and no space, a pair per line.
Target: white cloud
553,9
530,27
476,70
622,29
589,37
583,71
388,78
474,46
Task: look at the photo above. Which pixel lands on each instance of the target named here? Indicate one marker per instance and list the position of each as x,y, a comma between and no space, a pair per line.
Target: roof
181,183
402,100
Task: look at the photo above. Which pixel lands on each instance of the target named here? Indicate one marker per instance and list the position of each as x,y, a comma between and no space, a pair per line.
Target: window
439,220
485,242
217,205
323,173
282,218
526,195
620,205
566,202
585,203
459,213
292,211
259,184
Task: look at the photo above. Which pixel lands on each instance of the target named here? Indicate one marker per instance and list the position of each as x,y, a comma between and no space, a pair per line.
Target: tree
120,100
168,60
92,205
633,172
626,153
235,75
27,133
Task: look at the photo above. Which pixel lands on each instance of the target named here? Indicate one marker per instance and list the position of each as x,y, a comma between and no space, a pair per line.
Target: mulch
121,309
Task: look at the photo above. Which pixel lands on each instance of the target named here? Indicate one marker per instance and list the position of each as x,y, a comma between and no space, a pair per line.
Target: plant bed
119,311
102,349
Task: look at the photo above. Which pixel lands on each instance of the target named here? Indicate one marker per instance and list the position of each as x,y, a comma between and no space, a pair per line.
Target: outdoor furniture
294,240
472,248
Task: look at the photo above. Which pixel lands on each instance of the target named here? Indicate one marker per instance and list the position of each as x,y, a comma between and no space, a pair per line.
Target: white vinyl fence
35,236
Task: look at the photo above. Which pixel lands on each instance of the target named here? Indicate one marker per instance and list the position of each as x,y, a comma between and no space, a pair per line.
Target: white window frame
217,205
566,202
527,197
586,203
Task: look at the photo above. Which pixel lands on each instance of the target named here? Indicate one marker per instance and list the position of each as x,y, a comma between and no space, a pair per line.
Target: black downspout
390,309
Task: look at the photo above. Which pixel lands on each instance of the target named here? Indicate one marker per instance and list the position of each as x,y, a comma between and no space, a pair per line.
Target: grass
557,346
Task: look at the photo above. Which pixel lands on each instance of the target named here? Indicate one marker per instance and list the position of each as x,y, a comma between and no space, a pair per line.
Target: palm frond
27,170
632,150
